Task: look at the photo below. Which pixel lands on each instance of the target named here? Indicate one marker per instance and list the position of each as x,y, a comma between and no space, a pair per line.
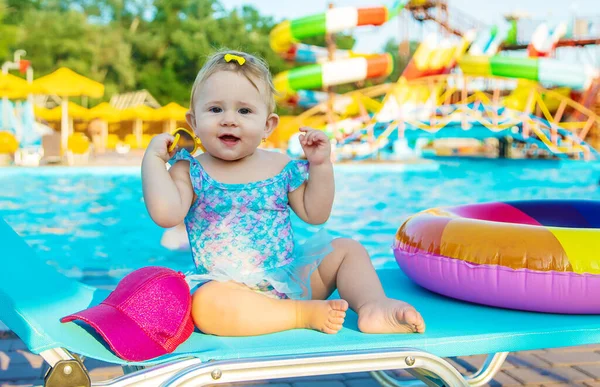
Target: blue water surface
91,223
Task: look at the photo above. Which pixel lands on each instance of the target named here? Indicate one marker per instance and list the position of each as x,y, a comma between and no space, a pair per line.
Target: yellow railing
460,90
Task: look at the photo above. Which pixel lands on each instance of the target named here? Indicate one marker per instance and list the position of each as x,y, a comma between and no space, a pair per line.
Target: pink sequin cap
146,316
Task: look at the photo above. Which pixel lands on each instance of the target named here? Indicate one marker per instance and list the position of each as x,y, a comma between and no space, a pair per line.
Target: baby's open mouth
229,139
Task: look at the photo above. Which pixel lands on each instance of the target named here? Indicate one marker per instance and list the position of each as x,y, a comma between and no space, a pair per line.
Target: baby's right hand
160,144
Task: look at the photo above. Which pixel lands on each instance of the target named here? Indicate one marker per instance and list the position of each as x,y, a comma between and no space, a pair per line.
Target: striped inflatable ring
531,255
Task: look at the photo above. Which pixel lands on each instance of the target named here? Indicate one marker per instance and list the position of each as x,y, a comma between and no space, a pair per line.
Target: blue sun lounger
33,297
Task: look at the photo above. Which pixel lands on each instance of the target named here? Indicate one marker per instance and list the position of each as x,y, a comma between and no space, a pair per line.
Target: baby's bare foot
389,316
325,316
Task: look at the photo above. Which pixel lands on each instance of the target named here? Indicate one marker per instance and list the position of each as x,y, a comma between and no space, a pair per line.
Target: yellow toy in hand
186,139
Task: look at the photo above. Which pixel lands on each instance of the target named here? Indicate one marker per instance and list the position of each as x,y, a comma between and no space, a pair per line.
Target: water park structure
468,81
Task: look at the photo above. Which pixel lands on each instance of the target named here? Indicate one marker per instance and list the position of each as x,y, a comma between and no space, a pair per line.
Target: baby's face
230,115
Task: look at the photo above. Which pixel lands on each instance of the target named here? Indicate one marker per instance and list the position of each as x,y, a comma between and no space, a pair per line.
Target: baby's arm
168,195
313,200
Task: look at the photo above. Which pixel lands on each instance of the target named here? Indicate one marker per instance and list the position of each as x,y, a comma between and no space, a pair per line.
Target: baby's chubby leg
349,269
231,309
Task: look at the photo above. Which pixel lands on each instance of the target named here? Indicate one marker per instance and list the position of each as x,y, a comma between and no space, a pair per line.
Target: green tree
53,39
170,48
8,32
15,9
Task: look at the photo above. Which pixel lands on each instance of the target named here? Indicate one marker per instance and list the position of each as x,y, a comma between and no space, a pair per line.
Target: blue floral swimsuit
243,232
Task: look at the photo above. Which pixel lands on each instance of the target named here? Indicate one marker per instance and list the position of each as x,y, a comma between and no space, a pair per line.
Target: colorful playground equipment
297,86
329,74
467,89
543,70
435,58
458,106
544,39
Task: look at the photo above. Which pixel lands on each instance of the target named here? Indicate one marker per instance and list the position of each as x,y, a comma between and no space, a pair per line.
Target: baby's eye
245,111
215,109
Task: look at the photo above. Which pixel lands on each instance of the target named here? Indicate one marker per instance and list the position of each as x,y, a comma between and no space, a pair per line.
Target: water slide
544,39
482,58
543,70
347,67
434,57
488,41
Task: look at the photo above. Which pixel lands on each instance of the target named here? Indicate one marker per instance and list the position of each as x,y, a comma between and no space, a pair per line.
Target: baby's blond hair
254,68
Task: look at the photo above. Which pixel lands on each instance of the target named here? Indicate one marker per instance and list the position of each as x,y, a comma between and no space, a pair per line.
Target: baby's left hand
315,145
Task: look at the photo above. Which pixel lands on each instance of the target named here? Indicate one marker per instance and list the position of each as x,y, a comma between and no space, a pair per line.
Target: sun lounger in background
52,150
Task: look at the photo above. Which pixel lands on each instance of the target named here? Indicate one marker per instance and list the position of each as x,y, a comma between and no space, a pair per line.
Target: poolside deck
572,366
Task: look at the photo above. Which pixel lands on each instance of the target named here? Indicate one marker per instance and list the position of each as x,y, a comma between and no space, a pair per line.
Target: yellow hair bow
237,58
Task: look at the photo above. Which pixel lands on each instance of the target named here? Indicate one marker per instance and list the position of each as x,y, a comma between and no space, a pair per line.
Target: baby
235,200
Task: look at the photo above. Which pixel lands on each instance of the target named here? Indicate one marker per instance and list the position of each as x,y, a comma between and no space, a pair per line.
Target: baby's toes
331,327
340,305
336,320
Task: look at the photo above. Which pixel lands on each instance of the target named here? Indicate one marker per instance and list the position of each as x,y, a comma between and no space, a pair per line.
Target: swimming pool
92,225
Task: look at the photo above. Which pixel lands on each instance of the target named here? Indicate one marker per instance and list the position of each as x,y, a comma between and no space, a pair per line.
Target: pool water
91,223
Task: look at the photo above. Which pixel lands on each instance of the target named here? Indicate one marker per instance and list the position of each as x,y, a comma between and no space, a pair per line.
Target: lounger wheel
68,373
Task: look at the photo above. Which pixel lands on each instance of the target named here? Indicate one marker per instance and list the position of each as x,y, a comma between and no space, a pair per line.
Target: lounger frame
429,369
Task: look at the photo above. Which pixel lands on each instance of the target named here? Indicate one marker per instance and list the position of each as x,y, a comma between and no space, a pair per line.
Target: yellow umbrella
13,87
74,112
66,83
141,112
105,112
171,113
45,113
137,114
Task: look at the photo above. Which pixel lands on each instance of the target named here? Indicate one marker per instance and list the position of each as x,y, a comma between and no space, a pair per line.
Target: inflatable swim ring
531,255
